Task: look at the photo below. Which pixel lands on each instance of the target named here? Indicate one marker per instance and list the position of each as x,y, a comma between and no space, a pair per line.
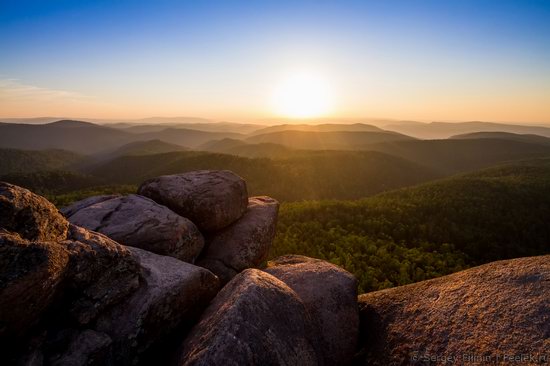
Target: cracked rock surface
243,244
139,222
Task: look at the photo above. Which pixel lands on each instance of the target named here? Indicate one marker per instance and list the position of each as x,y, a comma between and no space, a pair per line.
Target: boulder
31,216
330,296
172,293
30,276
483,315
139,222
245,243
254,320
88,348
212,199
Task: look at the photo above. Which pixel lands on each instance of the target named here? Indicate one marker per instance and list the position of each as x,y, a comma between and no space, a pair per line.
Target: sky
452,60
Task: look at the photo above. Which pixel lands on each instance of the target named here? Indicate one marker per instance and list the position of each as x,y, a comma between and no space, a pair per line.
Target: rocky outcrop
498,313
329,294
212,199
172,292
31,216
245,243
139,222
254,320
76,297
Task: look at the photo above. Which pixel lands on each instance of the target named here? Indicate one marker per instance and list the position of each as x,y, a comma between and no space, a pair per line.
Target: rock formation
481,316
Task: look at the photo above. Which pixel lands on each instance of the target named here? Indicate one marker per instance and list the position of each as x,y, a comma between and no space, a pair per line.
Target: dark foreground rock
139,222
254,320
31,216
172,292
330,296
30,275
212,199
477,316
245,243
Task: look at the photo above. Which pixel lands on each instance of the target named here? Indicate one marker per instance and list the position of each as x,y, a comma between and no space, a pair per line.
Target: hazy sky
409,59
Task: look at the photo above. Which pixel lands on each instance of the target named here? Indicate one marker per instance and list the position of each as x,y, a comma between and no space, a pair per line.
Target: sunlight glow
302,95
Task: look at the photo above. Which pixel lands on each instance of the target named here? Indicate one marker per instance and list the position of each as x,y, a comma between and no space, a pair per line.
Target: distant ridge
443,130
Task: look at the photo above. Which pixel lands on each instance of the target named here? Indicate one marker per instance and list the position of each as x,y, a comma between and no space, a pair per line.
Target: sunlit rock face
477,316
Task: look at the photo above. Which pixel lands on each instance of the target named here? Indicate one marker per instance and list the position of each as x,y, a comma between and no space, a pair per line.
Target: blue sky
408,59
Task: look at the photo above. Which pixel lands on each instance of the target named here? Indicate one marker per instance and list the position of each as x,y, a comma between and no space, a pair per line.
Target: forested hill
426,231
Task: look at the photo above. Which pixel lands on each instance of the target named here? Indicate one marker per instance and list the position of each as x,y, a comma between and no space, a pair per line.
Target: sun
302,95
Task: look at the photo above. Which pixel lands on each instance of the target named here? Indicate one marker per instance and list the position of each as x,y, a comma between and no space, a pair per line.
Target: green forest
426,231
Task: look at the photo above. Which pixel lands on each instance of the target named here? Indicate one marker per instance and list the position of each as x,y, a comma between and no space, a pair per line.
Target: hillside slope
89,138
528,138
454,156
426,231
336,140
25,161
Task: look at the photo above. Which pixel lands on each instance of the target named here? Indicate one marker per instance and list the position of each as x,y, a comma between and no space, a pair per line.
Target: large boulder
30,276
498,313
245,243
330,296
212,199
172,292
139,222
31,216
254,320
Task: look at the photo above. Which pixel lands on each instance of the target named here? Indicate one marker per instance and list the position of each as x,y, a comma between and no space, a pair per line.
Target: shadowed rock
254,320
88,348
497,309
172,292
330,296
245,243
139,222
30,275
212,199
31,216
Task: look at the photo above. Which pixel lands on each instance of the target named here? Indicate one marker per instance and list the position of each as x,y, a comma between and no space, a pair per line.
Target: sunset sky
249,60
